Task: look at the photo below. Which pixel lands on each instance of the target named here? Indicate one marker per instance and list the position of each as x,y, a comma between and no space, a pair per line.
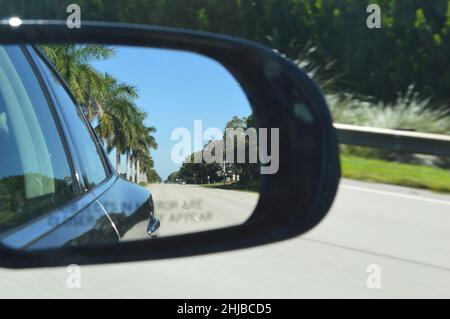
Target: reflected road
187,209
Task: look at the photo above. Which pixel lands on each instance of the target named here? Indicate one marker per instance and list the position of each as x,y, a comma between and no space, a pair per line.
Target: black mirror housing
292,201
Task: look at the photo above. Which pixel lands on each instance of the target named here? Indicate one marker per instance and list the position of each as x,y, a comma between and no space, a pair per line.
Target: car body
64,192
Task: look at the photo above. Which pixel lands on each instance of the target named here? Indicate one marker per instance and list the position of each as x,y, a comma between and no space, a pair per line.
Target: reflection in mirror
174,122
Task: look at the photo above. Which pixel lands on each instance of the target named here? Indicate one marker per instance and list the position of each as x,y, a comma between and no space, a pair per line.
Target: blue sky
175,89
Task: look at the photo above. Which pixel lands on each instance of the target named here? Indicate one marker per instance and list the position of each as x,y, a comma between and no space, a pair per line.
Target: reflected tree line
242,174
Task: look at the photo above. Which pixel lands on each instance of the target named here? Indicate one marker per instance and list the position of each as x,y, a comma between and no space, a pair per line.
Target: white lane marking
368,190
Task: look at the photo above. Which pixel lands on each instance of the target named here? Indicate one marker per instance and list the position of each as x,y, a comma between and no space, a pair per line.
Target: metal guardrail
394,140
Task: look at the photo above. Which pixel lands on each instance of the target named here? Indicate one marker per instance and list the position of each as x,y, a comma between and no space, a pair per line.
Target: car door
43,203
123,203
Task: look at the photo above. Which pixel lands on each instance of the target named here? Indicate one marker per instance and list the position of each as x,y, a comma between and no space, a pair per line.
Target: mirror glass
175,123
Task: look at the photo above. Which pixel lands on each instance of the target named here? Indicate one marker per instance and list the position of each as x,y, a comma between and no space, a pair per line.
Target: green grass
380,171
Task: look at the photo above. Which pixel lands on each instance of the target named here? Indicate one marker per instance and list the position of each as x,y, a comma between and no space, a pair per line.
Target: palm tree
119,122
135,119
115,111
139,142
113,125
74,64
145,141
148,172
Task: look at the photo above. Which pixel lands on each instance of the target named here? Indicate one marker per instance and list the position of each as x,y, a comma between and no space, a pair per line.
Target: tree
74,64
203,173
173,177
144,142
411,48
114,113
108,101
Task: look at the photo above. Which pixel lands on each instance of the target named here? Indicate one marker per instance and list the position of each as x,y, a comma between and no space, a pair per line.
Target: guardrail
394,140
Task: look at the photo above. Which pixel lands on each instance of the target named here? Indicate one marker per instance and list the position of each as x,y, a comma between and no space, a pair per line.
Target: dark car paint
101,215
90,225
133,206
106,220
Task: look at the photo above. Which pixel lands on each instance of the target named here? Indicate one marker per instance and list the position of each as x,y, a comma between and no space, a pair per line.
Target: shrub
409,112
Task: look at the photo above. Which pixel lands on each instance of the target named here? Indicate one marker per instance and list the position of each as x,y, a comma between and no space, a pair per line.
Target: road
404,232
186,209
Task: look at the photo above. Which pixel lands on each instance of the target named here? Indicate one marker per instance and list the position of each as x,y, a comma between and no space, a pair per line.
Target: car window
35,176
89,156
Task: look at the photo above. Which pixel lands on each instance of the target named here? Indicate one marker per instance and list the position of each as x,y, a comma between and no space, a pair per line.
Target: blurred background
393,77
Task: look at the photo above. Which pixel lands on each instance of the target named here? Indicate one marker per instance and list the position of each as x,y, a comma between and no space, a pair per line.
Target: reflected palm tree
109,102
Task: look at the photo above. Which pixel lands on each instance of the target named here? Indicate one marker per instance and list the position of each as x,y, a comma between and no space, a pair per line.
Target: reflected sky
176,88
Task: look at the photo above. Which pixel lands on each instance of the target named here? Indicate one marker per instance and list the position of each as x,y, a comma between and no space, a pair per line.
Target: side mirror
97,212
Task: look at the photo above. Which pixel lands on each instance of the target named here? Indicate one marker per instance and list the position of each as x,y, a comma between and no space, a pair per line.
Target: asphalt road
404,232
187,209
